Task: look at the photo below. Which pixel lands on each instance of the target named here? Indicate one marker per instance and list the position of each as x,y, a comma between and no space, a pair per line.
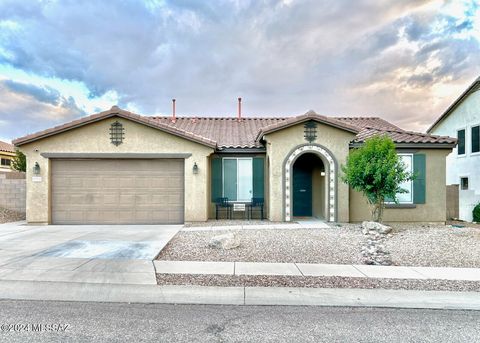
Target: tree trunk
377,212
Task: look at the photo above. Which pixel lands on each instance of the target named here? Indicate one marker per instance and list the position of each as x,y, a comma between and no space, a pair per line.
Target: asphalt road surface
38,321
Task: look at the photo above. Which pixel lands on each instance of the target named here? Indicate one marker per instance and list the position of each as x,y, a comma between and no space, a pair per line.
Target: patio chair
256,203
223,204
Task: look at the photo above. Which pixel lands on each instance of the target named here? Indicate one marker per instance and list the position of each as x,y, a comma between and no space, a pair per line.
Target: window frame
7,163
411,181
464,129
238,176
461,184
471,139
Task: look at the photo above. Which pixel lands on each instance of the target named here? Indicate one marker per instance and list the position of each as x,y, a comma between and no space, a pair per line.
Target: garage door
117,191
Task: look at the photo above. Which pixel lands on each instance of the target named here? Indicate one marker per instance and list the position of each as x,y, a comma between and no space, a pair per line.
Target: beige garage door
117,191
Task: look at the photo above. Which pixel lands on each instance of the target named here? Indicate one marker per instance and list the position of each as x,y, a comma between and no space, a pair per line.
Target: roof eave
24,140
471,89
413,145
301,120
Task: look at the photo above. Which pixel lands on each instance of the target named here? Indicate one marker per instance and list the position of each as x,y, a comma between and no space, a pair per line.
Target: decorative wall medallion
331,179
117,133
310,132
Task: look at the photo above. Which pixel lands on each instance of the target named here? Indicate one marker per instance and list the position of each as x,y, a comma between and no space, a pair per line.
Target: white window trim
411,184
238,183
460,182
466,141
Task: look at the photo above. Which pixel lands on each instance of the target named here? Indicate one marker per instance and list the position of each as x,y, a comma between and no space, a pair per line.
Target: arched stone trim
326,156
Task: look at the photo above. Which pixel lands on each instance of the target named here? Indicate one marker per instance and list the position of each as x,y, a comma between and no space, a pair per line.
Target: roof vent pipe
174,119
239,109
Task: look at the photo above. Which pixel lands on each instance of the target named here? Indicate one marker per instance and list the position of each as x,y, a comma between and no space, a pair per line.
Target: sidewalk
310,269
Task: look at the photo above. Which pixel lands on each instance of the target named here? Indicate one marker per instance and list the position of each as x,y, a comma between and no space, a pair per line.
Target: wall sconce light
36,169
195,168
322,173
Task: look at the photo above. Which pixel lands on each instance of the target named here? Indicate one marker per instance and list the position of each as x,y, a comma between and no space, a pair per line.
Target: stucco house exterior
118,167
462,120
7,153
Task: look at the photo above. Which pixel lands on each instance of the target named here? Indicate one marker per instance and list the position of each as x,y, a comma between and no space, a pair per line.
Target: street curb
89,292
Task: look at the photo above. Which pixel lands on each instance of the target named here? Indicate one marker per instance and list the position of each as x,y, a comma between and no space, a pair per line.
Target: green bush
476,213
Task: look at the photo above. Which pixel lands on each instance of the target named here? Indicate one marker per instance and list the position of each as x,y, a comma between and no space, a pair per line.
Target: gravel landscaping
335,245
317,282
7,216
435,246
408,244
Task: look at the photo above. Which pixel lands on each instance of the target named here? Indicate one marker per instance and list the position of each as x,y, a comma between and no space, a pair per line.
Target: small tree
19,162
476,213
376,170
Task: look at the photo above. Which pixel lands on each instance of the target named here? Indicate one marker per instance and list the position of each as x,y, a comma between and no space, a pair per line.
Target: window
5,162
406,198
464,183
461,142
237,178
476,139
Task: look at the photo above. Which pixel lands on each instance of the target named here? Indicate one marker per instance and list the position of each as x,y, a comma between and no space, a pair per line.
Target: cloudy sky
405,61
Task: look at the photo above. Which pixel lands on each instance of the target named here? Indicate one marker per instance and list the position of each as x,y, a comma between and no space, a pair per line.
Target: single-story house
7,154
118,167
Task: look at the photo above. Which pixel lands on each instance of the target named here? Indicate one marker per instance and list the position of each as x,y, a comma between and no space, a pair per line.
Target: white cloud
397,60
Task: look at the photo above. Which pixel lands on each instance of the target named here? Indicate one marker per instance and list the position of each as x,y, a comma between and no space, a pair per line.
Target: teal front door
302,188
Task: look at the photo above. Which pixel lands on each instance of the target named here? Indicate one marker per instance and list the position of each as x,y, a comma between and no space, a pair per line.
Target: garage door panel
117,191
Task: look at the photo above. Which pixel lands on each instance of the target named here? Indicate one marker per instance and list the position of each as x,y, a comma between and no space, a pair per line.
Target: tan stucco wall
94,138
434,209
279,146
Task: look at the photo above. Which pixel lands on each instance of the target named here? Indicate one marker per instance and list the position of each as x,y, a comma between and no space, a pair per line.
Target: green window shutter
258,177
419,170
216,181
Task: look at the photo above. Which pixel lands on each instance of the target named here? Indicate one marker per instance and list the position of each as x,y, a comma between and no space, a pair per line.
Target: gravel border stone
316,282
8,216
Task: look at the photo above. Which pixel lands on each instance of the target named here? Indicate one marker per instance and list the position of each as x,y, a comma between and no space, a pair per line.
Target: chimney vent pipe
239,109
174,119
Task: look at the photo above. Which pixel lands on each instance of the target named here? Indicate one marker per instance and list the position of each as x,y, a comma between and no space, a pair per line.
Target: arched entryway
310,183
309,187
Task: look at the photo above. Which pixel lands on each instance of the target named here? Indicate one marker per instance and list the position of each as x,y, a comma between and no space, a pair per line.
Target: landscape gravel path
408,245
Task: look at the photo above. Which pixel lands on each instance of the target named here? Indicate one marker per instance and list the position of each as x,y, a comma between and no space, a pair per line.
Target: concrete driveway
88,253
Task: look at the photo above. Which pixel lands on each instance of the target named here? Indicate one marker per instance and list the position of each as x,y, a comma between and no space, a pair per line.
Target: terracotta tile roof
7,147
404,137
228,132
369,122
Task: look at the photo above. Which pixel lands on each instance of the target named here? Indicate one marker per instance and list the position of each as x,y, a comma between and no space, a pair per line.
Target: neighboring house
7,153
462,120
118,167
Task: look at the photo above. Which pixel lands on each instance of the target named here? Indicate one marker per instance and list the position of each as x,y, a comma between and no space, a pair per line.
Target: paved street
109,322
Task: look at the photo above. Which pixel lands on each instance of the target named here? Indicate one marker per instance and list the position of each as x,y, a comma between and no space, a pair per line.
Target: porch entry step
313,269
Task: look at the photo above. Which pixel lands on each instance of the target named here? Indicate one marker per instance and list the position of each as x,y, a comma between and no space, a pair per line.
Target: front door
302,188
